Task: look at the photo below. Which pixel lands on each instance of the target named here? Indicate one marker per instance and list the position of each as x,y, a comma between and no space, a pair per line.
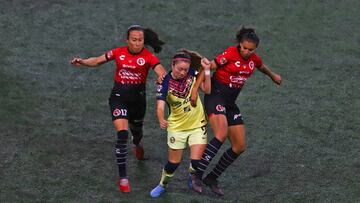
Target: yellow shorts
178,140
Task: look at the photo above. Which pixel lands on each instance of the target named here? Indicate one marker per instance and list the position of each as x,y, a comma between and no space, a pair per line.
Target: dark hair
247,34
151,38
181,56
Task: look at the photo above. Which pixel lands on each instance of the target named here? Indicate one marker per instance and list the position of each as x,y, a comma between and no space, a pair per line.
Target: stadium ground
56,134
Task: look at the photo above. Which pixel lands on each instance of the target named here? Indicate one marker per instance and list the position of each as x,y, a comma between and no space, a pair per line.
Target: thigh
174,155
197,142
237,138
219,126
177,140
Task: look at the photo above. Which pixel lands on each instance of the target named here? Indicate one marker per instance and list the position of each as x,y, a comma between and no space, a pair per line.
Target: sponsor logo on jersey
220,108
251,65
140,61
237,64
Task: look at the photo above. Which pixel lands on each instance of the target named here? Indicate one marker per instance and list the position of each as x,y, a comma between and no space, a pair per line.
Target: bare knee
238,148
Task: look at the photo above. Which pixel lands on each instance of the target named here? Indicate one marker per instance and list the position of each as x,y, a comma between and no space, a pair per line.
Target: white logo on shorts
236,116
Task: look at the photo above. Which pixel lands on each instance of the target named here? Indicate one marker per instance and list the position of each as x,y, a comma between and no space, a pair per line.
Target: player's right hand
163,123
193,97
76,61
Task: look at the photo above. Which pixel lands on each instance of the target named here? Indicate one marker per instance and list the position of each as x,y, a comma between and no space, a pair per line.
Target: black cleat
194,183
214,185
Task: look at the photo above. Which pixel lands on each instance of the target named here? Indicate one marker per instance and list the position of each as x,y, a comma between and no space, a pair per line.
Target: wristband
207,72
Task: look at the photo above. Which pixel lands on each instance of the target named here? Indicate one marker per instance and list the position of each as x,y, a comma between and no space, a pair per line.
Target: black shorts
128,102
221,100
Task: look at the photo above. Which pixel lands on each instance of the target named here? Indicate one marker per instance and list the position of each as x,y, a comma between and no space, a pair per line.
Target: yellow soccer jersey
176,93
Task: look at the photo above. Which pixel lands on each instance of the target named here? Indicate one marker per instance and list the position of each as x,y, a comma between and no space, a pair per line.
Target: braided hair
151,38
247,34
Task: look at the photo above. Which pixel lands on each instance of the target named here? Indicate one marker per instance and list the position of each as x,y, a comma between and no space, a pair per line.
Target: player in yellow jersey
185,124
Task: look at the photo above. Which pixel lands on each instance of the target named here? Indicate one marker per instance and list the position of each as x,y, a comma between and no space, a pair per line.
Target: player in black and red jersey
233,67
128,99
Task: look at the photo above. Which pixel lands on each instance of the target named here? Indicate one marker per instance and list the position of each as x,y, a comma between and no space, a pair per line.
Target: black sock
136,131
211,150
121,152
225,161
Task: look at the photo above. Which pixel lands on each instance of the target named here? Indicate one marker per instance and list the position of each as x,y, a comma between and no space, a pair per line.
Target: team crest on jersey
172,139
220,108
222,60
251,65
140,61
116,112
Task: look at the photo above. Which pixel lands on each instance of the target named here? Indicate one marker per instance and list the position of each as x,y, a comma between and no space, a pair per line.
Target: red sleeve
110,55
153,61
223,58
258,61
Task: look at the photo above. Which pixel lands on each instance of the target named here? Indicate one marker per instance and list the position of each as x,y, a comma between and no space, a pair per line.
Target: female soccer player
185,124
128,100
233,67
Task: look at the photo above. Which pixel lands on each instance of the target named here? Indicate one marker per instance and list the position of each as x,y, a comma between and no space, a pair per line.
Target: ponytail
151,38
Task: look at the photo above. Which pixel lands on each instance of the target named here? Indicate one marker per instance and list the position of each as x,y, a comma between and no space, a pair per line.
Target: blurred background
56,134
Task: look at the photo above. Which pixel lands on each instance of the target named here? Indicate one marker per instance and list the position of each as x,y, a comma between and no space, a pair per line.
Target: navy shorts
219,101
130,105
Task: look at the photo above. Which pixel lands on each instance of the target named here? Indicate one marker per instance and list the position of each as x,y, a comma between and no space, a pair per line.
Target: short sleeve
258,61
153,61
162,89
223,58
110,55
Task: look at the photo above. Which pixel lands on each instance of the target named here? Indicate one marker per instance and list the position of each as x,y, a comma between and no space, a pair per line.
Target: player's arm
160,72
267,71
89,62
200,79
160,111
206,84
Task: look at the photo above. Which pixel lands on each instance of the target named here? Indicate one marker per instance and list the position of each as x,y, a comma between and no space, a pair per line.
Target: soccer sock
225,161
193,166
168,173
121,151
136,131
211,150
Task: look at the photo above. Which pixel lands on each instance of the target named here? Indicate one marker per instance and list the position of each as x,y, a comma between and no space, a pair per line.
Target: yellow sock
165,178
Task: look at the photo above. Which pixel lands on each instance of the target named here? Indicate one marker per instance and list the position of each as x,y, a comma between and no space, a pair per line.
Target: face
180,69
247,48
135,41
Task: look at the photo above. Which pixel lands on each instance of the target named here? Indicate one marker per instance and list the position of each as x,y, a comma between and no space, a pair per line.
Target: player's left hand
277,79
193,97
160,79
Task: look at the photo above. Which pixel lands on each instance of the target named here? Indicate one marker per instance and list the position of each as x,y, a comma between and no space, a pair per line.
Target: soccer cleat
157,191
194,183
124,185
214,185
138,151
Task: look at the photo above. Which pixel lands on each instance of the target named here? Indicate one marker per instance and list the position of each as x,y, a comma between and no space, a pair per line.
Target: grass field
56,134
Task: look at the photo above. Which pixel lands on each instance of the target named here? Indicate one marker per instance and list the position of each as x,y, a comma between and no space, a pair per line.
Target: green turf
56,134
